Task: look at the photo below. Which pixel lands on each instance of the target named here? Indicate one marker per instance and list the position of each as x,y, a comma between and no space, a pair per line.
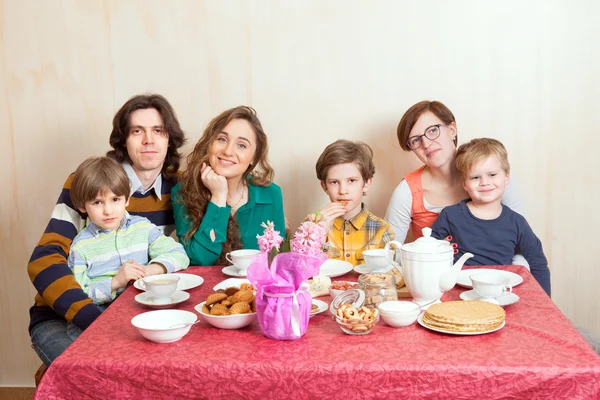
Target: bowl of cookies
356,321
230,308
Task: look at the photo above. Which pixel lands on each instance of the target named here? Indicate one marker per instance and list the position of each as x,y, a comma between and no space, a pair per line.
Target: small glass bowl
356,327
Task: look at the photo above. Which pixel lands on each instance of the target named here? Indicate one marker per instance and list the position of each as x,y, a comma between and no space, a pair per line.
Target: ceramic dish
322,307
504,300
334,268
366,269
334,292
164,326
229,283
420,321
232,270
186,281
464,277
236,321
167,302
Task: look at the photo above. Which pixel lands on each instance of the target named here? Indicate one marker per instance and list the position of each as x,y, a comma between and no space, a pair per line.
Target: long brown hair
120,131
195,196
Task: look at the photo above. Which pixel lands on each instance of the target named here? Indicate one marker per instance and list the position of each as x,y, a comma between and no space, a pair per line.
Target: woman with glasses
428,129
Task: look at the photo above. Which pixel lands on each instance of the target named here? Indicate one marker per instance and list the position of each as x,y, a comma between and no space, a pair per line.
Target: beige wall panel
522,72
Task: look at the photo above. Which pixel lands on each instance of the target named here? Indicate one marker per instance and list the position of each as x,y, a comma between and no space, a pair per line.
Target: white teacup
160,286
491,284
241,259
376,259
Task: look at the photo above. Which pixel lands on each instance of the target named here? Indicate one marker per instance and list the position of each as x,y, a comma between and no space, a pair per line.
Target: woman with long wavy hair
227,190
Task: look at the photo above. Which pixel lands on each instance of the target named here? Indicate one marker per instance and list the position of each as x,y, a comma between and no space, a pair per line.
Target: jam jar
378,288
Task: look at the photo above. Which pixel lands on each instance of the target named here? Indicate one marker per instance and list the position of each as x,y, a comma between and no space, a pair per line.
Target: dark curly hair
120,131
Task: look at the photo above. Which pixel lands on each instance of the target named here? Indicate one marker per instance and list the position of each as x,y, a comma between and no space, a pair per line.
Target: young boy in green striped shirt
114,246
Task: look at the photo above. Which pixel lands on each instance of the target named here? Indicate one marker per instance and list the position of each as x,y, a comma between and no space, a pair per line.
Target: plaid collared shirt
347,239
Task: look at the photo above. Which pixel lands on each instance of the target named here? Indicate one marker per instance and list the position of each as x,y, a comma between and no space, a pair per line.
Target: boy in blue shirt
481,224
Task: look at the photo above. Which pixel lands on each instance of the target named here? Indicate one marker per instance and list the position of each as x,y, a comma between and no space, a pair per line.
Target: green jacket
264,203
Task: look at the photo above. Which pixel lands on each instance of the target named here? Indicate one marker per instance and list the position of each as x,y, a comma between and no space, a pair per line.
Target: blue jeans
49,339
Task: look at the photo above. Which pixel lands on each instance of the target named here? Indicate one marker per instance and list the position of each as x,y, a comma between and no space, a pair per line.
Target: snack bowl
334,292
398,313
235,321
356,326
164,326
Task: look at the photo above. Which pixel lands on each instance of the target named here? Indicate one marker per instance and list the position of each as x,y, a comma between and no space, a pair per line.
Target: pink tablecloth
538,354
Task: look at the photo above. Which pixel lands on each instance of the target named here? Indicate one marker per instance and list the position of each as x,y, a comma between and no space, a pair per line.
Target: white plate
185,282
229,283
334,268
464,277
364,269
232,270
152,302
322,307
504,300
420,321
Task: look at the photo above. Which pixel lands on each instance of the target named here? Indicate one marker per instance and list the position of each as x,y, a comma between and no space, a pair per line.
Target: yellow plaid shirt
347,239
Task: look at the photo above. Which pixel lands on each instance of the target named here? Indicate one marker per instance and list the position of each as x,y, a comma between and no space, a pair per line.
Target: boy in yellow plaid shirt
346,170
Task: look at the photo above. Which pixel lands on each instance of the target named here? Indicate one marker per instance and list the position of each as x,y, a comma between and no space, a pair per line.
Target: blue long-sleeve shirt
494,241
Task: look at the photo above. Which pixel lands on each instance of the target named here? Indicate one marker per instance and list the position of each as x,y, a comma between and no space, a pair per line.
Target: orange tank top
421,217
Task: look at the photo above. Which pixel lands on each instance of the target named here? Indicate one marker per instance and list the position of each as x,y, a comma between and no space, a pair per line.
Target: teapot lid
428,244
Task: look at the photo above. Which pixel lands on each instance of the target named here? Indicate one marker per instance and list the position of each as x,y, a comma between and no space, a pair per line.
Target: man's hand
217,184
129,271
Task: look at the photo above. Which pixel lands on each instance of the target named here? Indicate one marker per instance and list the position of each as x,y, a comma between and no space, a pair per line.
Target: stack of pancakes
464,316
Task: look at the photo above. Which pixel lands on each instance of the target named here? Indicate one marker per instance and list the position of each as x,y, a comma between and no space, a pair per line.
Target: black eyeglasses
431,133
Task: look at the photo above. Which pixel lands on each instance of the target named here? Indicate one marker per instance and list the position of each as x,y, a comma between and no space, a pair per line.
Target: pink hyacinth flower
269,239
308,239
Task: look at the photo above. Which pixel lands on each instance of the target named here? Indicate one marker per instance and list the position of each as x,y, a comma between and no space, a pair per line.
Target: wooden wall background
523,72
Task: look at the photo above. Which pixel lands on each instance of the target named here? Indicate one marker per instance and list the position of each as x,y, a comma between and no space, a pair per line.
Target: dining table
537,354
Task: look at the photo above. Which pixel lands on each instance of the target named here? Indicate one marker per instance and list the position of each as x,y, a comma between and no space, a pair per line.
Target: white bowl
156,325
236,321
399,313
334,292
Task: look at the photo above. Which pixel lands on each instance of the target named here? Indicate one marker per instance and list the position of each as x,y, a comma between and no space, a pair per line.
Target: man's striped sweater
59,295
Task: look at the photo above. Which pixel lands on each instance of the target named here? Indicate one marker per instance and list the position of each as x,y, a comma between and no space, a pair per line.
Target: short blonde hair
98,175
346,152
477,150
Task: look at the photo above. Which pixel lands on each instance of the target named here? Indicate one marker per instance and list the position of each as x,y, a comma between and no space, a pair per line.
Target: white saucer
365,269
229,282
464,277
420,321
504,300
232,270
185,282
322,307
153,302
334,268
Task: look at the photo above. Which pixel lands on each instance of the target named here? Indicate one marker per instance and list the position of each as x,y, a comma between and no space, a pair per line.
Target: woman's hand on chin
217,184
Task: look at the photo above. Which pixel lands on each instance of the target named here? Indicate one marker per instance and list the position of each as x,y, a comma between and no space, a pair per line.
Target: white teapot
427,267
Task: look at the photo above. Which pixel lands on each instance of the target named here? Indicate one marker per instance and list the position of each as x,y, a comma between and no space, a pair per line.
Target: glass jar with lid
378,288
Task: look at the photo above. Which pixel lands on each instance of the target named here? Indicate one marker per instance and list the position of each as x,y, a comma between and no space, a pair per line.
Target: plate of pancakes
463,317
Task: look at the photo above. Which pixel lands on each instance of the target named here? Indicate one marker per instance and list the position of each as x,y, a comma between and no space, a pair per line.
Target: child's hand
128,271
454,245
217,184
329,213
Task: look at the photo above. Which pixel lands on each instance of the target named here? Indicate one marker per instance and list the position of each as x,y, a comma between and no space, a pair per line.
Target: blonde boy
346,170
481,224
114,247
